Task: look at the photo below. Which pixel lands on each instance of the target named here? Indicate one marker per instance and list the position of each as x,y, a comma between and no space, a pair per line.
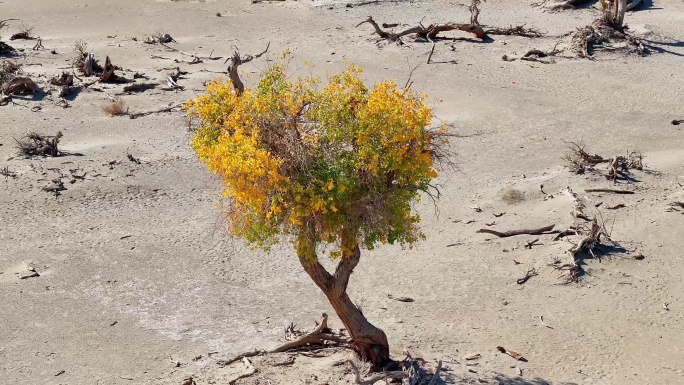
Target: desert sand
140,284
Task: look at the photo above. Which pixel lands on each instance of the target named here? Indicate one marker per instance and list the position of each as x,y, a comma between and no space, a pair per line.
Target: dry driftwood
236,61
511,233
604,34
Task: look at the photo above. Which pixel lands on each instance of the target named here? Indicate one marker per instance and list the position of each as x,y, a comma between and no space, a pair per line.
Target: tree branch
317,272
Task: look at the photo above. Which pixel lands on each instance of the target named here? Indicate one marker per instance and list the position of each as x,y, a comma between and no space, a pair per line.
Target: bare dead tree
236,61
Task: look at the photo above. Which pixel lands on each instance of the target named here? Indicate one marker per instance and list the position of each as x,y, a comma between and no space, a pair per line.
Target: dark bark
369,341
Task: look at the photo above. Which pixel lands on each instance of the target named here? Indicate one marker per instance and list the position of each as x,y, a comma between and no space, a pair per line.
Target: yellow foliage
313,162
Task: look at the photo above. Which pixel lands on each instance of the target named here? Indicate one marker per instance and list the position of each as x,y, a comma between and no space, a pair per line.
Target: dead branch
511,353
511,233
139,87
607,190
240,357
529,274
435,376
421,32
606,32
319,336
161,110
235,61
531,243
251,370
571,231
579,159
400,299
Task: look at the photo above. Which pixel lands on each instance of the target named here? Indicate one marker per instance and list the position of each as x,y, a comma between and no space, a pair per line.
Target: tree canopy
318,162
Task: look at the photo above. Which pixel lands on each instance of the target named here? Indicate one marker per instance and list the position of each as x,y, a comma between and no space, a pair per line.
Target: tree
333,168
614,11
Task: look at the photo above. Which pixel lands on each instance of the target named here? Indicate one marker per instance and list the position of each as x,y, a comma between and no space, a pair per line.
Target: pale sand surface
180,287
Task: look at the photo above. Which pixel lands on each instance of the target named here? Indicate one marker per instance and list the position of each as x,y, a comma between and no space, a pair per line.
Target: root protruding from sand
595,236
321,335
579,160
604,34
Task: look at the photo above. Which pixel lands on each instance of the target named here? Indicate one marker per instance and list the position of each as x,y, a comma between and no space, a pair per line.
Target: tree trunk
369,341
620,12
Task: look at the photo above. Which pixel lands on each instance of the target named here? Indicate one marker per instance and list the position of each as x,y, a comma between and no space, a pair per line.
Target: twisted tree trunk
369,341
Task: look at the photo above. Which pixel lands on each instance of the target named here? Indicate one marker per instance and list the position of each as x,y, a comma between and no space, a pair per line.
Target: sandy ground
135,267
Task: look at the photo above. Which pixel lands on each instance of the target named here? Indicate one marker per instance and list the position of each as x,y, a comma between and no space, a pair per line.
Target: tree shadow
644,5
498,379
659,46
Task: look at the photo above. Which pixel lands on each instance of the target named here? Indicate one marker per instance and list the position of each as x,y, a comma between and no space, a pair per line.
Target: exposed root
159,111
108,75
606,35
321,335
85,61
35,144
596,235
431,32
